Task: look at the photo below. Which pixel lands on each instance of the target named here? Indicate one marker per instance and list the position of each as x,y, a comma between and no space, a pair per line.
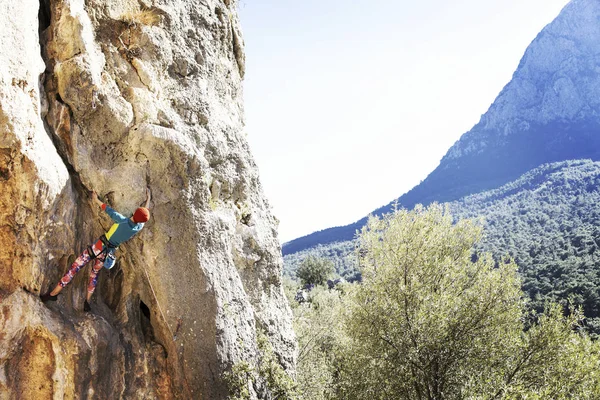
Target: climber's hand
95,198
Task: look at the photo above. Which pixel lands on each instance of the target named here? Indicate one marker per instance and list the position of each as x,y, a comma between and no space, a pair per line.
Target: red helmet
142,214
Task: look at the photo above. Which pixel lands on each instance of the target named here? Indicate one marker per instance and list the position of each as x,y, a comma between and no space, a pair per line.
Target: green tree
430,322
317,324
314,270
551,361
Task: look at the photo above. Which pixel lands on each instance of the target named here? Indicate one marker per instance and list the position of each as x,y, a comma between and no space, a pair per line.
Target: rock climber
103,251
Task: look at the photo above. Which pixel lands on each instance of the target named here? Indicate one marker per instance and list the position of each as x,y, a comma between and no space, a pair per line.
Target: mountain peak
558,79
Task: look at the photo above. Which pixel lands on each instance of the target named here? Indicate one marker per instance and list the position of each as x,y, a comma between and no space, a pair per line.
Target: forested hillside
548,220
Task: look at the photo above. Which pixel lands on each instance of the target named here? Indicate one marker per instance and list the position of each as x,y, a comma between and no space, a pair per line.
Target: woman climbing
103,251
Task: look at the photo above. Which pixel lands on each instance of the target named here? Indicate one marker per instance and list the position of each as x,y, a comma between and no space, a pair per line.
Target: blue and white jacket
123,229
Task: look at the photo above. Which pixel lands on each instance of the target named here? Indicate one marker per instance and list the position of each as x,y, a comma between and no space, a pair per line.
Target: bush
314,271
242,376
317,324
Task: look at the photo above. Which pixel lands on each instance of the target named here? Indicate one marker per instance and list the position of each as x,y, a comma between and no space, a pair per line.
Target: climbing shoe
86,306
48,297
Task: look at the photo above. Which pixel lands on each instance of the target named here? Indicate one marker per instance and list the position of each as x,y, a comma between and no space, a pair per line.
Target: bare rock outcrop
556,83
121,95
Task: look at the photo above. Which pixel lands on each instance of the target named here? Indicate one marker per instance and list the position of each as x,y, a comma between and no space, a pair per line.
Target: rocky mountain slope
549,111
114,96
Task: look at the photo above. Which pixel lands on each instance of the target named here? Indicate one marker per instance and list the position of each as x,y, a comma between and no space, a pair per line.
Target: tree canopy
429,321
314,270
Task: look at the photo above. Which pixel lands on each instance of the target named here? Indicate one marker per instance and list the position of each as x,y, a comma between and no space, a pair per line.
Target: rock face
122,95
548,112
553,99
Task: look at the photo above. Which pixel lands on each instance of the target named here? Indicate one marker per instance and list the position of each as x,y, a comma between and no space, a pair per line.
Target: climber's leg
82,260
93,281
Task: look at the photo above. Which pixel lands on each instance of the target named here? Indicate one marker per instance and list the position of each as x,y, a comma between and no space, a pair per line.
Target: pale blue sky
349,104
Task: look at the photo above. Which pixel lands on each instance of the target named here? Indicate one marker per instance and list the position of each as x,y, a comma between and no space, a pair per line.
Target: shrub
314,271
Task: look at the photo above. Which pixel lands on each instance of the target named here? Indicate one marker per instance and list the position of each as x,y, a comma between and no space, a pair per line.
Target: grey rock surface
123,95
558,79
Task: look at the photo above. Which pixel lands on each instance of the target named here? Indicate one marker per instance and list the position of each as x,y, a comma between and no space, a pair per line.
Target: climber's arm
115,216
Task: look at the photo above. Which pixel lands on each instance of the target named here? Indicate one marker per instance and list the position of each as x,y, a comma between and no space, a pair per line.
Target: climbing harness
91,252
109,249
107,242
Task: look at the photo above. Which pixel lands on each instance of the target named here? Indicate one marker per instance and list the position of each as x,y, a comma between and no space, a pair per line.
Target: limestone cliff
114,96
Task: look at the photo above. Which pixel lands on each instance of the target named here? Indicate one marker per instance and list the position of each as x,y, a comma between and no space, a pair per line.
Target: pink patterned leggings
82,260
